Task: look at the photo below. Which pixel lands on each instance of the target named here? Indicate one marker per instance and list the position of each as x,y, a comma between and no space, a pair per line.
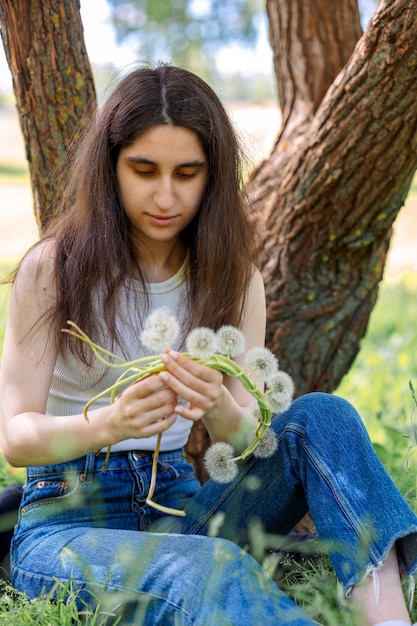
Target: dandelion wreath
216,350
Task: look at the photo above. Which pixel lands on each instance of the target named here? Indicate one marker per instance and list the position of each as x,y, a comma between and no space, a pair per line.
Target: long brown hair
93,250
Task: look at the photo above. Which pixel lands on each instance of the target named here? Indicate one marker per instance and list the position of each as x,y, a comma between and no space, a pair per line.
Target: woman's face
162,177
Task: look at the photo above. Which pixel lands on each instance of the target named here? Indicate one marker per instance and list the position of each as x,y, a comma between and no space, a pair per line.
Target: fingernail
164,376
173,354
164,358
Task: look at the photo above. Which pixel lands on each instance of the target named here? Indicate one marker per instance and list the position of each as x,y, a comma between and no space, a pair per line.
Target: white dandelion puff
201,343
160,330
230,341
262,363
267,445
281,385
219,462
279,403
253,412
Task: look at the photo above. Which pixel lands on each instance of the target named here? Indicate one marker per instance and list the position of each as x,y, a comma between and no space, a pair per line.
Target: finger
199,399
158,426
178,364
190,413
144,387
193,376
191,390
138,412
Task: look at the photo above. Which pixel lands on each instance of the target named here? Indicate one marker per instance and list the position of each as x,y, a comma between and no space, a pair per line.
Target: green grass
378,384
14,172
16,610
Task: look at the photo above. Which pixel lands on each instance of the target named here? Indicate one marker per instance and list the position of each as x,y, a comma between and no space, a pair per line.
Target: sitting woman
153,216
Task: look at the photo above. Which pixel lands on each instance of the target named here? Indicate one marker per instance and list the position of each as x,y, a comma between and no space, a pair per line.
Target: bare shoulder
36,270
34,291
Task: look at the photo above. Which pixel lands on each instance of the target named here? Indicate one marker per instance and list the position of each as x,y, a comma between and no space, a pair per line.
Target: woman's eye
186,173
144,172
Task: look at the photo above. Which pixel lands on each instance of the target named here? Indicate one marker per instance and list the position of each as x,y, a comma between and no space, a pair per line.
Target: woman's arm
220,401
28,436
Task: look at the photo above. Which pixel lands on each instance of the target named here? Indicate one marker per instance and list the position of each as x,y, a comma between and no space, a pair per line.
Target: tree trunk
53,86
327,195
312,41
335,181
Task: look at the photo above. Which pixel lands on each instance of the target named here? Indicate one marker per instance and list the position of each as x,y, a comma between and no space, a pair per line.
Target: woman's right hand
144,409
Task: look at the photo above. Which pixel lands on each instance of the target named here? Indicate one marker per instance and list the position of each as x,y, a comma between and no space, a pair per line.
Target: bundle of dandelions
216,350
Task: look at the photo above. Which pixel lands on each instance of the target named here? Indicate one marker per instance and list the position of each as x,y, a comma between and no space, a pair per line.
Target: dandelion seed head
219,462
201,343
267,445
253,412
230,341
279,403
281,384
160,330
262,363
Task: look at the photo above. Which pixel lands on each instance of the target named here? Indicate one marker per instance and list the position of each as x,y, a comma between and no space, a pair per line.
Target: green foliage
13,172
58,608
10,475
313,585
378,384
186,32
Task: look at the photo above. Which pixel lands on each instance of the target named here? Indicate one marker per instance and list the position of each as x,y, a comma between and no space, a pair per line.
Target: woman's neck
161,264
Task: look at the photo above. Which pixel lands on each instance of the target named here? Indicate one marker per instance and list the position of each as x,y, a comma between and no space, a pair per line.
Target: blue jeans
93,527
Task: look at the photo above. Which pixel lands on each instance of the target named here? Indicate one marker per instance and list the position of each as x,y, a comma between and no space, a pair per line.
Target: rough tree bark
336,179
53,86
331,188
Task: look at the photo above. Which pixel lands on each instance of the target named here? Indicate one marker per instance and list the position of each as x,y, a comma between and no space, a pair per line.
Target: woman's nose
164,196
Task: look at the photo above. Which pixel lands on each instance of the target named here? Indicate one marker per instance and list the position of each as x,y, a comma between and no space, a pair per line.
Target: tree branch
311,42
328,196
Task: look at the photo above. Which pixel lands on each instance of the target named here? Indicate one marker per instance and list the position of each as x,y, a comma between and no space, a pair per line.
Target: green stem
137,370
155,505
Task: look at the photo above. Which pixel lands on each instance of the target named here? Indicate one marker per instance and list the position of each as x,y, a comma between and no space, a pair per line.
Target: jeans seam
340,500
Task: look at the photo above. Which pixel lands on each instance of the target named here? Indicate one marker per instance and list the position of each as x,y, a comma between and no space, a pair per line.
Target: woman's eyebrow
145,161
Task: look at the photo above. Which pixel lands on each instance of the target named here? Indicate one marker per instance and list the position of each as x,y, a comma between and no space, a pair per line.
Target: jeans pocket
49,489
179,469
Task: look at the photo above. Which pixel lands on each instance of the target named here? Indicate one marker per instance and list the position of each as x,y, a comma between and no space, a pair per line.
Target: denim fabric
94,526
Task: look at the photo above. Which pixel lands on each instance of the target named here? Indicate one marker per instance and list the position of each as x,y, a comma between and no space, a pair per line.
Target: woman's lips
161,220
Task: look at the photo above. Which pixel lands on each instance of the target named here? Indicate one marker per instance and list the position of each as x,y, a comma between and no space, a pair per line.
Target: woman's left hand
199,385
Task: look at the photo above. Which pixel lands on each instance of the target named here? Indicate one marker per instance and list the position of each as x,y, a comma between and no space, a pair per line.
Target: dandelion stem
146,366
151,491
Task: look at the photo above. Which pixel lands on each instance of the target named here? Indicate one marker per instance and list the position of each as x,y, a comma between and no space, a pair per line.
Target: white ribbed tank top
74,384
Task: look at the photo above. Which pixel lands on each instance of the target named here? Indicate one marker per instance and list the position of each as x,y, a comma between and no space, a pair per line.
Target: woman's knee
323,412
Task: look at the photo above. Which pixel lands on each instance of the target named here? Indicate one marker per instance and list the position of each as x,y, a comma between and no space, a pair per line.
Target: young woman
153,216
